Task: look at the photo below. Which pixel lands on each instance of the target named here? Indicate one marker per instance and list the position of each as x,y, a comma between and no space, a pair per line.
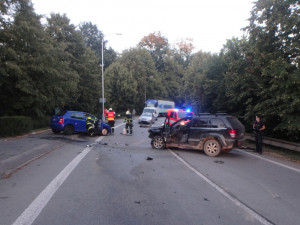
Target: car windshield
148,110
146,115
184,114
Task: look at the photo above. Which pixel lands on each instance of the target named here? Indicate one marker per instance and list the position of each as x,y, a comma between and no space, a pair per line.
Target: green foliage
57,65
121,88
139,62
14,125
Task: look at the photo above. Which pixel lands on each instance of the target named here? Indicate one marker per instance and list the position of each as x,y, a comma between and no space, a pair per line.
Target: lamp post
102,70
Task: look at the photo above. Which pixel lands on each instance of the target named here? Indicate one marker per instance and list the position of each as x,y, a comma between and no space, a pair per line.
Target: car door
198,131
79,121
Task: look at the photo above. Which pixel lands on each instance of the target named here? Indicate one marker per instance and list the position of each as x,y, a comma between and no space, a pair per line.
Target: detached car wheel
68,130
212,148
158,142
104,132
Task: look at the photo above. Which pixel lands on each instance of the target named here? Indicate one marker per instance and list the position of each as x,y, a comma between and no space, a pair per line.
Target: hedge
17,125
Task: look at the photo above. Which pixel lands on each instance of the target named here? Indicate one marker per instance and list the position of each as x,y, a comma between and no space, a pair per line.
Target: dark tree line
57,64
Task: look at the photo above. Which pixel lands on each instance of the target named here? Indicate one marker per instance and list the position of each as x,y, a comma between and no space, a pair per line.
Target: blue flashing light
188,110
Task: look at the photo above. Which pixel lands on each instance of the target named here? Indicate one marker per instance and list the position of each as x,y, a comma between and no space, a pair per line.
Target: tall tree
27,65
93,39
120,88
158,46
139,62
274,33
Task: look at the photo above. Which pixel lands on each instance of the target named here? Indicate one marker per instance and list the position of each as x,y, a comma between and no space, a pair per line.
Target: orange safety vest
111,116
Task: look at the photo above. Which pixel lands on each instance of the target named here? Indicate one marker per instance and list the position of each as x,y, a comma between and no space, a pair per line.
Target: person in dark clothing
258,128
129,123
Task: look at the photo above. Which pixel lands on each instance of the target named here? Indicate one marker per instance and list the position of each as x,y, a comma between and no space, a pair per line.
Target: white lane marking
35,208
271,161
223,192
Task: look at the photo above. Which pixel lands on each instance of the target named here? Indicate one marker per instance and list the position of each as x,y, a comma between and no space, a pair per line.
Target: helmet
110,109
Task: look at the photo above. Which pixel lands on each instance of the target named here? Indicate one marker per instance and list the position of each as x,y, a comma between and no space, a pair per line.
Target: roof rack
203,114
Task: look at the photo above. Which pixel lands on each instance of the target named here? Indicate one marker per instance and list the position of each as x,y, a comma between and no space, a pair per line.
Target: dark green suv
212,133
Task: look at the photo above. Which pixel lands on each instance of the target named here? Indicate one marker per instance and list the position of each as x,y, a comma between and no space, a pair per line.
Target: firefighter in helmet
111,116
129,122
90,125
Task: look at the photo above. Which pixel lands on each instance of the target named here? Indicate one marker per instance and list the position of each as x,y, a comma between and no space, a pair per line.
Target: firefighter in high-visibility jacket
111,116
90,125
129,123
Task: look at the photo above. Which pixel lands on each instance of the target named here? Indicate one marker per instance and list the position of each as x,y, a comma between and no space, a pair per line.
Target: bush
15,125
40,122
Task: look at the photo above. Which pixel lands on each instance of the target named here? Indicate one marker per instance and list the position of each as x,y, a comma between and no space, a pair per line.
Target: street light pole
102,65
102,69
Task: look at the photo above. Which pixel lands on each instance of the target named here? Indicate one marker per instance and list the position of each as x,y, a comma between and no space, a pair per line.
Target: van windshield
148,110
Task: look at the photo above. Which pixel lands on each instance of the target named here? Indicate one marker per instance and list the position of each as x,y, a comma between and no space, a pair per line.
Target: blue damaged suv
75,122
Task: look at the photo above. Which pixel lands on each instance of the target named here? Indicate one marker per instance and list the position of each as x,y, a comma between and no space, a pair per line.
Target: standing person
129,122
133,114
258,128
111,116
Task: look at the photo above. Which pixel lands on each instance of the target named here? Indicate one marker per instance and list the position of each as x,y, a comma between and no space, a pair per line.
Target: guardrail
278,143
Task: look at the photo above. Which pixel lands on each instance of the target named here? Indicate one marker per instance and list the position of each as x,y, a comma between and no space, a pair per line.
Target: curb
24,135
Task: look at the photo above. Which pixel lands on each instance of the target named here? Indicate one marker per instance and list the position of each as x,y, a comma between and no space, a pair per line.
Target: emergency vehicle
176,114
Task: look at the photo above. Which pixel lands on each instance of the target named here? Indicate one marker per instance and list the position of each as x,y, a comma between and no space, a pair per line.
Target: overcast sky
208,22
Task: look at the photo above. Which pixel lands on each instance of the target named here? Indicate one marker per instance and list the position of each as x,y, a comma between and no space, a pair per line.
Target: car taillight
232,133
61,120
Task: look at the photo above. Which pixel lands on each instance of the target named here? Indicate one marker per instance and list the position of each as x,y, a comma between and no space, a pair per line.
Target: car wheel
68,130
158,142
55,131
104,132
212,148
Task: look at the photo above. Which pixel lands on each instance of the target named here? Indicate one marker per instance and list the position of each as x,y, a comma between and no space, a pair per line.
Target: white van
161,106
151,110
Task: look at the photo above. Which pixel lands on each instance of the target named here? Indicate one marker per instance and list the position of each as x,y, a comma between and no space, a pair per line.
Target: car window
217,123
92,116
203,122
173,115
182,114
78,115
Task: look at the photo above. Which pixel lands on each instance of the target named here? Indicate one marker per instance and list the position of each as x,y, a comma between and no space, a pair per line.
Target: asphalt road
118,179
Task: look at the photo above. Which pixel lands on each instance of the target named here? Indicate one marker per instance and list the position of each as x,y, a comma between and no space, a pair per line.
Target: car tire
55,131
68,130
212,148
104,132
158,142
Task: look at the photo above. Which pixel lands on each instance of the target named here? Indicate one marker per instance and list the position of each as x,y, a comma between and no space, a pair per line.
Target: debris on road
149,158
219,162
205,199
